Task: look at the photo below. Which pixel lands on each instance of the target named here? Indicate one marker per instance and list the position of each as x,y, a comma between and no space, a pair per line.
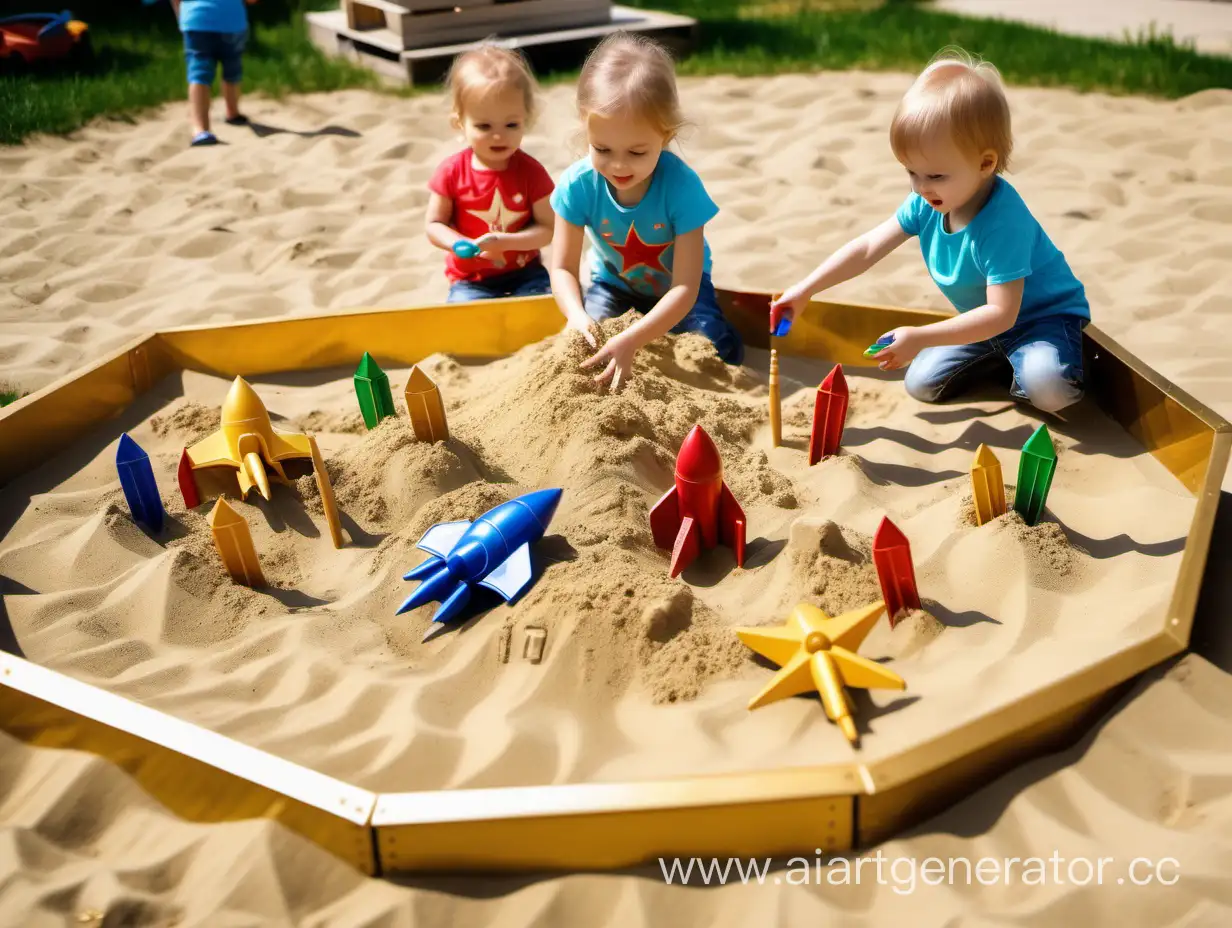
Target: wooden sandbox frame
205,777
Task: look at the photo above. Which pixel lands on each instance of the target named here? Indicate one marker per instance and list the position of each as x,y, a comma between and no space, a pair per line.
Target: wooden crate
382,52
427,23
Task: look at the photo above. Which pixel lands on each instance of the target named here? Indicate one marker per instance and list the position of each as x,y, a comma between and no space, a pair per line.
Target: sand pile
640,675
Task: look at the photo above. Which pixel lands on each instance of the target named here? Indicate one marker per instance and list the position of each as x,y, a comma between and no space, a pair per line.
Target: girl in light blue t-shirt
643,209
1020,308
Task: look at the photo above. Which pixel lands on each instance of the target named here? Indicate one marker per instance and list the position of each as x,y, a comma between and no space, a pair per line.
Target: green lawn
768,36
140,63
140,59
8,395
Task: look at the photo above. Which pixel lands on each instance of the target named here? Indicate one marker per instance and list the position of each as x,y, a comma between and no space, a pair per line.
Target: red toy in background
30,39
699,511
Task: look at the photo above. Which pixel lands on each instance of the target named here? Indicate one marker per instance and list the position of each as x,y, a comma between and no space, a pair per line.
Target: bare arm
975,325
566,261
980,324
852,260
687,262
536,235
688,259
440,212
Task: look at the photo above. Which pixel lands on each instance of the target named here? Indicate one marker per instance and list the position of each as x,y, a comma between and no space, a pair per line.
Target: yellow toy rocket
247,441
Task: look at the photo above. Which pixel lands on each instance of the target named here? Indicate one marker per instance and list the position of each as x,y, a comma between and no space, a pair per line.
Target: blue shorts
1044,356
532,280
205,51
607,301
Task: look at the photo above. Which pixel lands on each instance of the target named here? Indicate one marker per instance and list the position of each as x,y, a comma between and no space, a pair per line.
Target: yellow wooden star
498,216
815,651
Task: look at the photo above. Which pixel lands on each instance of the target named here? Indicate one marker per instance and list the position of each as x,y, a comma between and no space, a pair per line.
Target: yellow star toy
815,651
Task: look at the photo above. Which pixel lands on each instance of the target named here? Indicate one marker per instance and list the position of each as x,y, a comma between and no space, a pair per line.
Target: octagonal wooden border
205,777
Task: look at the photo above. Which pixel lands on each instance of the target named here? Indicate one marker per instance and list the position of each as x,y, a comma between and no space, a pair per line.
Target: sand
120,229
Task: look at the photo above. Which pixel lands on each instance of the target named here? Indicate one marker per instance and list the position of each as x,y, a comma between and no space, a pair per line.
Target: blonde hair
962,96
631,72
487,69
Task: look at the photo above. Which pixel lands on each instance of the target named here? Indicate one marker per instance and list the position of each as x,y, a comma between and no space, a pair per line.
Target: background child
643,209
215,33
492,192
1019,303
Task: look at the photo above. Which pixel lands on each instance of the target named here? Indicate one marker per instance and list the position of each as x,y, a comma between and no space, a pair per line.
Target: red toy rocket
895,571
699,511
829,416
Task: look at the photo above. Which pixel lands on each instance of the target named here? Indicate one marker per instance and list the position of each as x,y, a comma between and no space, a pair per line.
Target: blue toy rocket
493,551
137,482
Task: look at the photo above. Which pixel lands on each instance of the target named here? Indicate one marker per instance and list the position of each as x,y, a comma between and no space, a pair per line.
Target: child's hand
618,352
792,302
588,328
492,246
901,351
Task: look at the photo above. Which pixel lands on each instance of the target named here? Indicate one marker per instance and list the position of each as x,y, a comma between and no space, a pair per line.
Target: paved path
1206,23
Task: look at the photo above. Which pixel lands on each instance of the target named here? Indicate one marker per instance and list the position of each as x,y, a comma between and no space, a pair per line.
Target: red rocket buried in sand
699,511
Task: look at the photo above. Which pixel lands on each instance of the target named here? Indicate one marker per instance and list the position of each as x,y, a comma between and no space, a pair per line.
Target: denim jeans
1045,356
532,280
607,301
205,51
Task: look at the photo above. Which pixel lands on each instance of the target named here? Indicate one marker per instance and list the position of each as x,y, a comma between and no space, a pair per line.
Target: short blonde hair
487,69
631,72
959,95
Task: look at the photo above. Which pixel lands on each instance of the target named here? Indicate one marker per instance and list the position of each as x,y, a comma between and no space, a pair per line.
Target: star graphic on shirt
636,253
498,216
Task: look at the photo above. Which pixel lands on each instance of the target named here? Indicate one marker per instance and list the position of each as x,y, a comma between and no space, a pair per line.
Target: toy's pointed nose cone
543,504
242,403
128,450
698,460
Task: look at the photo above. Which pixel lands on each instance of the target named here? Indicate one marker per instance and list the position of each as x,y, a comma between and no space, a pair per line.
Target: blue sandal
204,138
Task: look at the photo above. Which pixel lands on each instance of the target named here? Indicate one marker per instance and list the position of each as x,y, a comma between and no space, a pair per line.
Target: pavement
1205,23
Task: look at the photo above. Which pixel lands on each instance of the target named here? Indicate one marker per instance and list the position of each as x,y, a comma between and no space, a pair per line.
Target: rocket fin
437,586
453,604
211,452
731,523
420,571
254,468
688,545
512,575
284,445
441,538
665,519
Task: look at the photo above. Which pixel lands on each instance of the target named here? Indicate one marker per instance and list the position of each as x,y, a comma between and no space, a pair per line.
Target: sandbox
460,751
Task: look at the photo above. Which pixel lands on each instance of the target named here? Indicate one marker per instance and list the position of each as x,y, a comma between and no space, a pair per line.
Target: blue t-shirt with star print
632,246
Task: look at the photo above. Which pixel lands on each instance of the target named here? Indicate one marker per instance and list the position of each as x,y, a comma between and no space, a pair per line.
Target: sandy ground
121,229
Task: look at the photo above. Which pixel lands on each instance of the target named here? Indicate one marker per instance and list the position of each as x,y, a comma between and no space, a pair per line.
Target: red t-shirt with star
490,201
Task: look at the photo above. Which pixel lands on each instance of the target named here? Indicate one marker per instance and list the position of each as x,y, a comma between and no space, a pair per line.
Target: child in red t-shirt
492,194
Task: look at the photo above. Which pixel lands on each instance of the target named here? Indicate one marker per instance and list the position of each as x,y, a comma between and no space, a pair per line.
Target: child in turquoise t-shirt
215,34
643,209
1019,304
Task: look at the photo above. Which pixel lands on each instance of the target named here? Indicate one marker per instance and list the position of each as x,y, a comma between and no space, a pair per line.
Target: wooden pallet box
426,23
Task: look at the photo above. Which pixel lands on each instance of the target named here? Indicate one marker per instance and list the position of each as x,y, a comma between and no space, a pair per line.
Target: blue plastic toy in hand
884,342
465,248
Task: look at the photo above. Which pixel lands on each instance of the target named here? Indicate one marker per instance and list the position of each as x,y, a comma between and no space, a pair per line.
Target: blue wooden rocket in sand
493,551
137,482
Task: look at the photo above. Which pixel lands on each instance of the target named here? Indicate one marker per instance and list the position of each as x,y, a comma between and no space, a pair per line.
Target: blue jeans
532,280
1045,356
607,301
204,51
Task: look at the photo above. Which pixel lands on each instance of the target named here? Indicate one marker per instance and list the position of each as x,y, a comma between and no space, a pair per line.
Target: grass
139,63
751,37
8,395
140,59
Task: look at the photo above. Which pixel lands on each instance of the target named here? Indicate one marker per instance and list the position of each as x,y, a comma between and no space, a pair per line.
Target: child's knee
1047,382
922,383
